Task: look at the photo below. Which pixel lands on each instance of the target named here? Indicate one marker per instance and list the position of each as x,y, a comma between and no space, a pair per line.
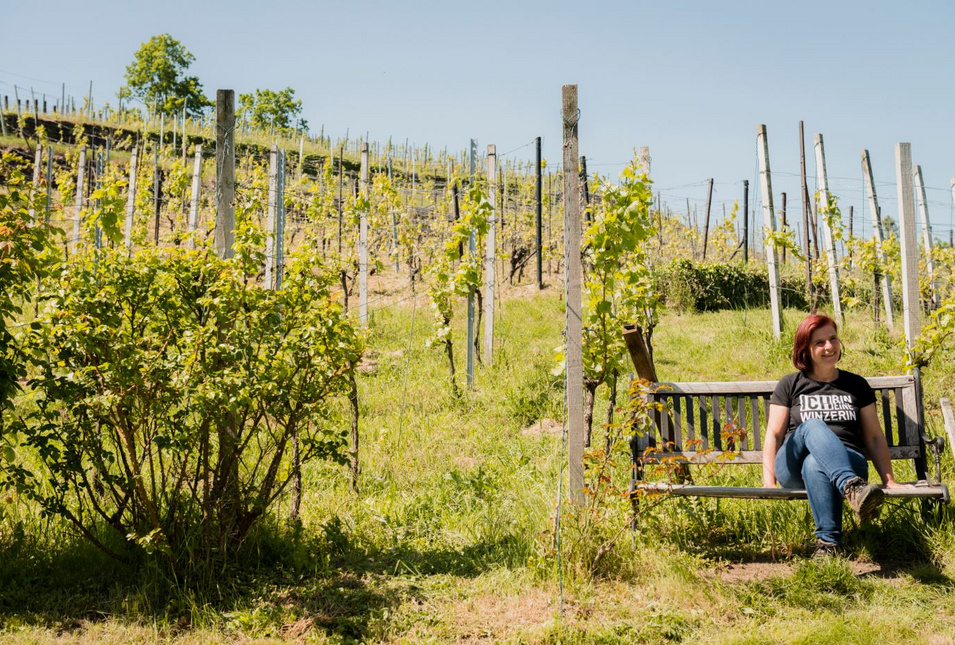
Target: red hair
802,358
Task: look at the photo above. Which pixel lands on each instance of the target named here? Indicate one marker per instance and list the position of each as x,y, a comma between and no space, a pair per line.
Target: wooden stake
706,226
879,236
194,201
490,255
78,213
363,240
911,308
926,236
830,239
769,221
225,173
745,221
576,432
131,198
538,212
271,221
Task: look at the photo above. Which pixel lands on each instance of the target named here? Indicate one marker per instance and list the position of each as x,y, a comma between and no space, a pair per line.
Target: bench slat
935,491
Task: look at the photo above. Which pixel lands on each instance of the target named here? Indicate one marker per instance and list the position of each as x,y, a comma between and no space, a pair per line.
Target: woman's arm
876,445
776,425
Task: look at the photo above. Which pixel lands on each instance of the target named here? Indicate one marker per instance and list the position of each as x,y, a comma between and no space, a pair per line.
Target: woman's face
825,347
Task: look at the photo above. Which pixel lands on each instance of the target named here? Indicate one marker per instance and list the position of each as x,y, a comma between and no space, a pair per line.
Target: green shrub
687,285
173,398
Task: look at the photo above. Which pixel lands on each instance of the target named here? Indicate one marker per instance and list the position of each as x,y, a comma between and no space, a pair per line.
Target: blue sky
692,79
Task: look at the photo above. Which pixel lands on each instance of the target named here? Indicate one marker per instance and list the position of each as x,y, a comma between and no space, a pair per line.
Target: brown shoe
864,498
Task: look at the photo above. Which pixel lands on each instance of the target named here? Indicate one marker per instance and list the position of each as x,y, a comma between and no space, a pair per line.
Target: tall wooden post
131,198
363,239
784,226
745,220
194,201
926,235
911,308
80,186
490,254
225,173
37,166
271,222
879,236
830,238
574,301
472,250
769,221
538,211
157,193
706,226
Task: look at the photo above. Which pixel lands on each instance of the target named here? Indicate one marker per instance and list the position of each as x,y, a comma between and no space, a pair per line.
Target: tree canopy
157,76
265,108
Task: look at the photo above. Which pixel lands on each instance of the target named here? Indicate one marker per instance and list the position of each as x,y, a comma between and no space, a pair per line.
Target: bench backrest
698,414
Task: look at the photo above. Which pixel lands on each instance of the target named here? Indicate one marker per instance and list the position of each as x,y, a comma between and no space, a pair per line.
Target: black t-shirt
837,403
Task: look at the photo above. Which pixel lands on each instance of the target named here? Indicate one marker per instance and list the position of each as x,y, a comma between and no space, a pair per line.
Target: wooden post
926,235
97,229
586,185
785,226
80,185
574,303
769,221
706,226
49,183
911,308
271,221
538,211
131,197
157,193
879,236
807,203
363,240
472,250
830,239
490,255
37,171
745,220
225,173
280,222
194,201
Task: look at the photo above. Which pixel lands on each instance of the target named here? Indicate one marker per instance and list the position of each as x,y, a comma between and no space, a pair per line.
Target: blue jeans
813,457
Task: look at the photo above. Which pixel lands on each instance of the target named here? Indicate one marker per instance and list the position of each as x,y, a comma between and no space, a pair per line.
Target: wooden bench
696,421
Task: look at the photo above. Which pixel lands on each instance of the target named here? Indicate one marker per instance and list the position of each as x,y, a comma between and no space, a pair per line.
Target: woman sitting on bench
822,425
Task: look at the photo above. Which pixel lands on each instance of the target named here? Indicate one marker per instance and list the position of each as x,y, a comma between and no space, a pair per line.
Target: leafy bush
174,398
687,285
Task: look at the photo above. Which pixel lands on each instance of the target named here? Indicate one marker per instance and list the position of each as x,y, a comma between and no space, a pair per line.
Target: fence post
745,221
574,302
194,201
769,221
830,240
80,185
37,171
225,173
131,198
911,308
271,220
926,235
538,211
363,239
706,226
490,254
157,191
472,249
877,228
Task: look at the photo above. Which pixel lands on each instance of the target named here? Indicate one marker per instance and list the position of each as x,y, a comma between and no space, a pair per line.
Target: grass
449,537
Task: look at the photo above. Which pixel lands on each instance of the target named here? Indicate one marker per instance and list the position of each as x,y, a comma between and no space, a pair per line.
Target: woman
822,425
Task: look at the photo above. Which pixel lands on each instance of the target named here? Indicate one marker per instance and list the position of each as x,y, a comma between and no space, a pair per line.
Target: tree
157,76
265,109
